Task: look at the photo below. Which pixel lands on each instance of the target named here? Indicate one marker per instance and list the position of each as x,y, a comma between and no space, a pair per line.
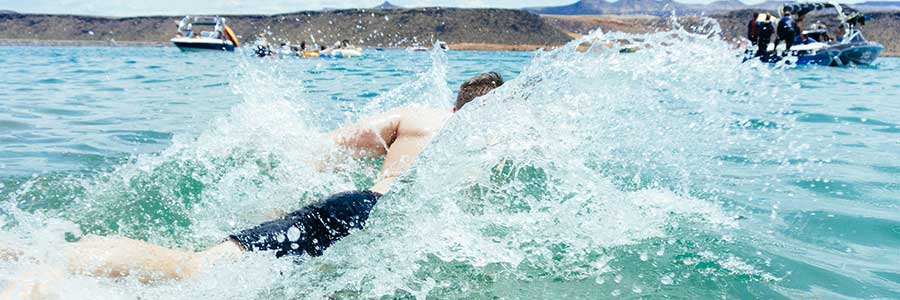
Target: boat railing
856,36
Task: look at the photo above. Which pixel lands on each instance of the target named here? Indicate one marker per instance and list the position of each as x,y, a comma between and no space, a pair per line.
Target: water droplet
667,280
637,289
295,246
293,234
616,293
644,256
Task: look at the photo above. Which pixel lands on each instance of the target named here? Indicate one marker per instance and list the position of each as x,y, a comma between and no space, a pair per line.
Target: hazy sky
180,7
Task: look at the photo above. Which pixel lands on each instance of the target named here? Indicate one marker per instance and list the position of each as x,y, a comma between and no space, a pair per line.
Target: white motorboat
220,38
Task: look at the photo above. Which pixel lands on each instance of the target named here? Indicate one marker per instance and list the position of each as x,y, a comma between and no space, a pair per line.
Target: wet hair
477,86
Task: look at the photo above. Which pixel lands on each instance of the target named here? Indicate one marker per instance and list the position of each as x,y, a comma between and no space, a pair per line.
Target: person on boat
753,30
842,31
398,135
818,32
787,31
765,29
799,36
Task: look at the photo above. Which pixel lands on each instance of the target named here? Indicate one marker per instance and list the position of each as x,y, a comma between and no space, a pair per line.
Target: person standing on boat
787,31
753,30
765,29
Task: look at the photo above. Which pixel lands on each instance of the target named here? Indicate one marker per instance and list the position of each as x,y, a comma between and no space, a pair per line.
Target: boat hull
821,58
215,45
341,53
831,55
864,54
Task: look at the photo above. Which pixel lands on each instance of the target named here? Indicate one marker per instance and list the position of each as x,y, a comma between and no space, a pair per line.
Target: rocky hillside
667,7
638,7
368,27
488,29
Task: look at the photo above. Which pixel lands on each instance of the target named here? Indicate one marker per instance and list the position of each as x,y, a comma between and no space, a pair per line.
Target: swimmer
398,135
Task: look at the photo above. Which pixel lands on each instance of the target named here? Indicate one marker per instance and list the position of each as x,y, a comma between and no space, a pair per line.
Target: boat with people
813,46
342,49
220,37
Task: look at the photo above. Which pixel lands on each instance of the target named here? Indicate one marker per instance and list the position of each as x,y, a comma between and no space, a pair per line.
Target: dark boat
850,48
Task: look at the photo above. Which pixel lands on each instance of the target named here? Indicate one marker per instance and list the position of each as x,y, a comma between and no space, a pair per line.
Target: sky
182,7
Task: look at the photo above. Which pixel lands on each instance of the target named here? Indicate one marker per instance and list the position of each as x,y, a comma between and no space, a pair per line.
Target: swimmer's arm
369,137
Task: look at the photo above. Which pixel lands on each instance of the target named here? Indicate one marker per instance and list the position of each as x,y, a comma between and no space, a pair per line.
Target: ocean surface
674,172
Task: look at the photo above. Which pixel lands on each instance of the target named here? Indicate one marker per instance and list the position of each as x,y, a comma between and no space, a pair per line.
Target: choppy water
671,173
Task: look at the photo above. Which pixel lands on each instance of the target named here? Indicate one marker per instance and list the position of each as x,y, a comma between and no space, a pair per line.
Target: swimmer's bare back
399,135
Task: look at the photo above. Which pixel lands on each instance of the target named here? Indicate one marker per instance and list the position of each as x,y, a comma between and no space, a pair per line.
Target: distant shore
76,43
455,47
462,29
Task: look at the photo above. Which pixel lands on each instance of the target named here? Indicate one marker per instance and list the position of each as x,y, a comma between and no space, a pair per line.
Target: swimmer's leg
34,285
115,258
121,257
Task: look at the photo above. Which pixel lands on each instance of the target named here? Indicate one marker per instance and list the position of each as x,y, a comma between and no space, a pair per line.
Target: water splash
564,171
591,173
428,89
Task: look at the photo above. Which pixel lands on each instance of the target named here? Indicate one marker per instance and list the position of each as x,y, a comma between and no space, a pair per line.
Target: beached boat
220,38
849,48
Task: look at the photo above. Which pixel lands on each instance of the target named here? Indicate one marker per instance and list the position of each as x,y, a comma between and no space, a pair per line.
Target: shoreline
80,43
113,43
95,43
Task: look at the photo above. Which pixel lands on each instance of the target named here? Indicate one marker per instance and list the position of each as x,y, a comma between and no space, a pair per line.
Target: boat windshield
211,34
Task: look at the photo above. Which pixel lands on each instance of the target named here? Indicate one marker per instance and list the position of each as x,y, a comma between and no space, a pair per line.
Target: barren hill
638,7
495,29
367,27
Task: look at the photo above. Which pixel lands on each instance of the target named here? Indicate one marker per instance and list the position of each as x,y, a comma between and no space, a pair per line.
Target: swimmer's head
476,87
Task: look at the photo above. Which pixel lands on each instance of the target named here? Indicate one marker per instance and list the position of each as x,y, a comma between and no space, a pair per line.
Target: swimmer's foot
33,285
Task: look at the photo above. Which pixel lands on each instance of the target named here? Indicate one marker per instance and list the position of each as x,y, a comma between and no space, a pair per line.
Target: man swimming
398,135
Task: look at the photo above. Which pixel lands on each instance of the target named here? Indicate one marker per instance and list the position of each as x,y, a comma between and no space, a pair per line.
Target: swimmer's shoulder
423,113
423,119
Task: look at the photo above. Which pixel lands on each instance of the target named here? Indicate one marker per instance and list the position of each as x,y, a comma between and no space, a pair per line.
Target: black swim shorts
311,229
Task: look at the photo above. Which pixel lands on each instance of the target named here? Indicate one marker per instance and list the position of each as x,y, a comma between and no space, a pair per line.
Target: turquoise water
671,173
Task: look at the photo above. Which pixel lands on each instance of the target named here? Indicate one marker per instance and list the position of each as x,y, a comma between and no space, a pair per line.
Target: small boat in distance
342,49
220,38
416,48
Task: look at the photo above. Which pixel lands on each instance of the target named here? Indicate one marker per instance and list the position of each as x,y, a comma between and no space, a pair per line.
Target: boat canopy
846,14
217,22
